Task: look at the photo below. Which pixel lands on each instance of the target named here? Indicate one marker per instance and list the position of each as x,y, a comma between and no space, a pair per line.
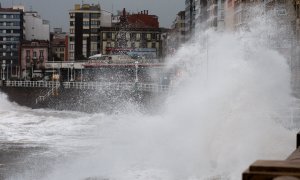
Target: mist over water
223,114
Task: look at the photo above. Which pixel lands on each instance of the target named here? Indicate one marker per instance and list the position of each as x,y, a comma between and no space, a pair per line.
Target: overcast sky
57,10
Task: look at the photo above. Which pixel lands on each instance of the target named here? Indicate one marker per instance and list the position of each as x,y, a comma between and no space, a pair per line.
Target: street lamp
3,69
11,64
136,71
72,66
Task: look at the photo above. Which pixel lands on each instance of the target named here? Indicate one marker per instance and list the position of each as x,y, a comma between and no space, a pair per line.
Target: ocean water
227,109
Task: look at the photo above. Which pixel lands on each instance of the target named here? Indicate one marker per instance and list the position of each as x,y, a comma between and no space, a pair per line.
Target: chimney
144,11
124,12
141,12
147,12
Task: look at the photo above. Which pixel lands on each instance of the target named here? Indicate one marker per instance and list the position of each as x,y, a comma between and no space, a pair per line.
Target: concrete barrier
288,169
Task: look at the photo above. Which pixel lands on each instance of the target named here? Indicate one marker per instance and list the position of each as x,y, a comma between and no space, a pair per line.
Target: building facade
35,27
58,45
135,33
176,36
11,34
34,55
146,41
85,22
189,18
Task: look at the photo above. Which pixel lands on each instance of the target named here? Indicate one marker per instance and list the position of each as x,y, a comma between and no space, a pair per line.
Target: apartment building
85,22
36,28
138,33
190,9
11,34
176,36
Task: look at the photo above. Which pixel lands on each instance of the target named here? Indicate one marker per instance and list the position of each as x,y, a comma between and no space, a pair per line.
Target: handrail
48,94
147,87
45,84
118,86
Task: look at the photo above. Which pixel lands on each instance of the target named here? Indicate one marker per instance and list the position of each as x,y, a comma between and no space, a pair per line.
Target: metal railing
147,87
117,86
44,84
152,87
97,85
48,94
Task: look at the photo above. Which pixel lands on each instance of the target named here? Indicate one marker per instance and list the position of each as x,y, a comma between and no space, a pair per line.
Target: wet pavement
19,160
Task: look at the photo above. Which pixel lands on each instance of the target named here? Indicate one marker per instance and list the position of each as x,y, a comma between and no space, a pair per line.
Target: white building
35,27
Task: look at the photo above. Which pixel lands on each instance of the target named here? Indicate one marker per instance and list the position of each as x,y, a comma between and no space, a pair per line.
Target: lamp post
7,72
136,71
3,69
72,66
81,75
11,64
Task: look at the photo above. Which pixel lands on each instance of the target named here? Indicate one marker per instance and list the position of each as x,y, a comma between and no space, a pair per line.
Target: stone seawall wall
84,100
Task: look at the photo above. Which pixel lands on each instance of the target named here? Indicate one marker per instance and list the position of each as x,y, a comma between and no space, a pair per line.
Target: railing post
298,140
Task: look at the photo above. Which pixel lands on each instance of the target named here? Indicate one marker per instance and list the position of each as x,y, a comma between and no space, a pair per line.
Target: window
94,23
71,55
94,38
133,44
148,36
16,23
94,30
16,16
86,23
71,23
27,53
153,45
133,36
144,44
41,53
95,15
86,15
143,36
72,15
71,47
34,54
153,36
108,35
